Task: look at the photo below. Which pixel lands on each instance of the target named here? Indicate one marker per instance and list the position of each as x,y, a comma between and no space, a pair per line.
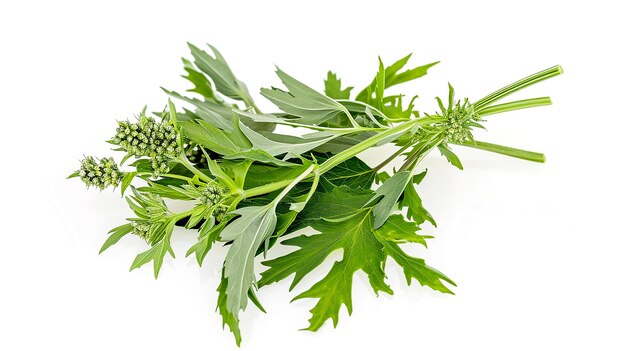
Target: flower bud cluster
142,229
100,173
459,122
147,137
211,196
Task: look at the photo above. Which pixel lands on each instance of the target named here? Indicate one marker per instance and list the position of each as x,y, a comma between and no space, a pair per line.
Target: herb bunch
251,186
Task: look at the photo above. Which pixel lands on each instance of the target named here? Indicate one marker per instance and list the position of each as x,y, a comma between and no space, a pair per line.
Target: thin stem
343,155
505,150
329,129
250,104
417,156
185,162
182,215
287,122
347,103
267,188
391,158
370,142
516,105
295,181
516,86
174,176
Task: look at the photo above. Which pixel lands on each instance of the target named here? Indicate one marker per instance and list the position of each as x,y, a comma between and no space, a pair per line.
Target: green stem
293,183
505,150
267,188
328,129
370,142
185,162
516,86
181,215
391,158
516,105
174,176
343,155
247,100
417,156
352,103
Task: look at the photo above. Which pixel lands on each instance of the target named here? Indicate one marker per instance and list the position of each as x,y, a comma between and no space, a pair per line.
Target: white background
537,250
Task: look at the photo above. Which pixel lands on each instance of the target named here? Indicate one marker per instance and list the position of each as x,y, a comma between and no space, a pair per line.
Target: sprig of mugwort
251,186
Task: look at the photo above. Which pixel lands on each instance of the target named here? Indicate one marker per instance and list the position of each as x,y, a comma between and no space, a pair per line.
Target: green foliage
248,186
350,228
303,102
332,87
219,72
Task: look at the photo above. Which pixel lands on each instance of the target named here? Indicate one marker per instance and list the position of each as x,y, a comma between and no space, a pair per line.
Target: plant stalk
516,86
505,150
342,156
515,105
185,162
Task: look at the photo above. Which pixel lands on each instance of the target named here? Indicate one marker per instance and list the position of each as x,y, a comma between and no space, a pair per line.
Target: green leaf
415,209
361,251
332,87
392,77
415,268
254,226
409,74
396,229
219,173
208,236
381,177
237,170
143,165
450,156
260,156
215,113
394,109
302,101
353,173
228,318
128,178
247,233
199,213
379,90
390,191
335,204
115,235
201,84
213,138
351,230
157,252
274,148
260,174
299,203
221,75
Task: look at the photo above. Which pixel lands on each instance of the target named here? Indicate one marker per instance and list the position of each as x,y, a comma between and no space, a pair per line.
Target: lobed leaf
332,87
303,102
221,75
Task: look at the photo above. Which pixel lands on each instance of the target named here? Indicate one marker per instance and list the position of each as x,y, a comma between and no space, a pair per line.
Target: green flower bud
460,119
148,138
142,229
100,173
219,213
211,195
